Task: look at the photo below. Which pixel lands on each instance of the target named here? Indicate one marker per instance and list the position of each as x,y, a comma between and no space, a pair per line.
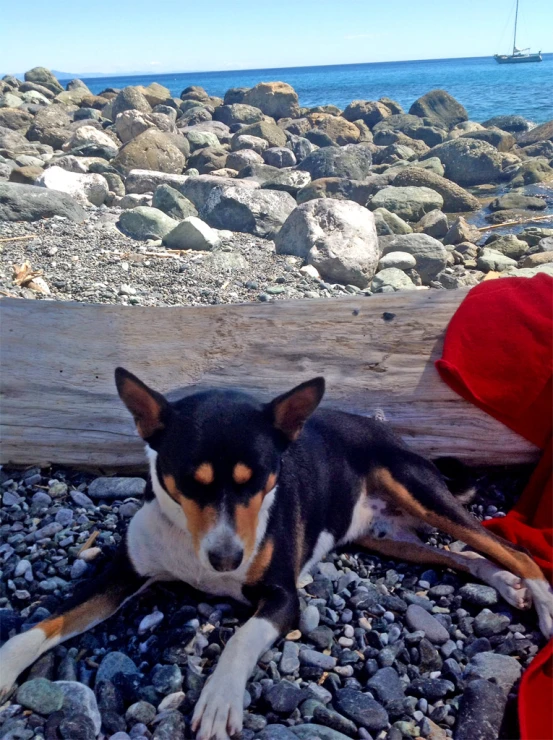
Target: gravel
370,668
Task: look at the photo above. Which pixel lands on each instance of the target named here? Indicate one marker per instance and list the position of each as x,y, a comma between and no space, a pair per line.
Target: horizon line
150,73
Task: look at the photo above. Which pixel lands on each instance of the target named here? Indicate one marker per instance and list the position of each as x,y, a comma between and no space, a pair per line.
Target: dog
244,498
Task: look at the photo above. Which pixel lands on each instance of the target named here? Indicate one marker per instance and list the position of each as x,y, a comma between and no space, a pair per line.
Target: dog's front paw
542,596
218,713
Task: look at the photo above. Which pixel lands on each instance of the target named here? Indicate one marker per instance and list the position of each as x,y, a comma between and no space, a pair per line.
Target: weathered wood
58,396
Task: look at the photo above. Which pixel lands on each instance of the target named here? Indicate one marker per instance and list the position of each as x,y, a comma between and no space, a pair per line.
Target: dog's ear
148,407
290,411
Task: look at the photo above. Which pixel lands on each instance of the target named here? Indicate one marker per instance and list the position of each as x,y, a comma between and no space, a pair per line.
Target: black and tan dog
245,498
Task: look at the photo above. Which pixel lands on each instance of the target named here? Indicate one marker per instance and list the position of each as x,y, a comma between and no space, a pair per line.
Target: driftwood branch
59,403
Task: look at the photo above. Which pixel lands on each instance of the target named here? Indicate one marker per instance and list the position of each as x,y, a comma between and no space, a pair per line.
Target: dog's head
217,455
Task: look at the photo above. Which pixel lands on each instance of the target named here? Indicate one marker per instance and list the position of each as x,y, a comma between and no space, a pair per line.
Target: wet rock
361,709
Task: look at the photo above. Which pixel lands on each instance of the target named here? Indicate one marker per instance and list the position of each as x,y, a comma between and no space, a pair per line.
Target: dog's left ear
290,411
148,407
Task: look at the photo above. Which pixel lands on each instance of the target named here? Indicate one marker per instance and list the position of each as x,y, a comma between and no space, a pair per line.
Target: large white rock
90,188
337,237
90,136
192,233
131,123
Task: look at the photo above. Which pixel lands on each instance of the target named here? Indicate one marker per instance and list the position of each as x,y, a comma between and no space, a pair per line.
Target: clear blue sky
180,35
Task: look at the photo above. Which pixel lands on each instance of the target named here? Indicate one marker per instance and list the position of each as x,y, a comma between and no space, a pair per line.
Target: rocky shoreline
138,198
251,197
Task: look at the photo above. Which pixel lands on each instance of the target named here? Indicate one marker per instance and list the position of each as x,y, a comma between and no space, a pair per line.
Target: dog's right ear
148,407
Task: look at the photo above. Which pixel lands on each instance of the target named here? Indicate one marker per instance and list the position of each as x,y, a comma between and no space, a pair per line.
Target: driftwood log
59,403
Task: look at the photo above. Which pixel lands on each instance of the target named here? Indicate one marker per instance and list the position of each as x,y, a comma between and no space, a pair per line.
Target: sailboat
519,56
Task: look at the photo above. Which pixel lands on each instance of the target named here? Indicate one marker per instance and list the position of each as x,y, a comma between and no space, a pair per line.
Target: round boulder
440,106
430,254
409,203
146,223
151,150
352,161
130,98
471,162
368,111
90,188
276,99
337,237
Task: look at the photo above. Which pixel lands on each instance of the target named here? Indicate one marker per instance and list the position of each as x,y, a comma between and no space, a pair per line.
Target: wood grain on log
59,403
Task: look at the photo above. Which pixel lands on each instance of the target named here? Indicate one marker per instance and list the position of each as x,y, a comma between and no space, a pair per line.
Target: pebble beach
135,196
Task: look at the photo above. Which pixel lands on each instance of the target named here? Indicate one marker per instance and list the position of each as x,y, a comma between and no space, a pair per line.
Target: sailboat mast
515,35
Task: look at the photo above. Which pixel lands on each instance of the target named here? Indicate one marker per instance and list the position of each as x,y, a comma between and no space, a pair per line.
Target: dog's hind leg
415,485
97,601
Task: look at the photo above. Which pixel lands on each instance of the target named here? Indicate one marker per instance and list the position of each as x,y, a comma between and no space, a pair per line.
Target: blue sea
484,87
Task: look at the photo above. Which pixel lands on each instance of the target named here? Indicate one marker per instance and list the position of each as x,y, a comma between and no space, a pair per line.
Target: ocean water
484,87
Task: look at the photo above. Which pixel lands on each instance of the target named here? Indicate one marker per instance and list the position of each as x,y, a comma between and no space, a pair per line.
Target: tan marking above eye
204,474
241,473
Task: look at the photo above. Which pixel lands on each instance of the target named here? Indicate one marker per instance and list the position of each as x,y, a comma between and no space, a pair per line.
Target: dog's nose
227,559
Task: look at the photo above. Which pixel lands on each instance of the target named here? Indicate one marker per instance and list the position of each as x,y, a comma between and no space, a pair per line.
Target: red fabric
498,354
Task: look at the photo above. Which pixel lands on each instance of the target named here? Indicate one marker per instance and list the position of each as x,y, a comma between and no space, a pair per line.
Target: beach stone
279,156
15,118
337,237
114,663
531,172
173,203
481,711
238,113
154,93
11,100
418,618
276,99
487,623
90,188
309,619
501,140
464,128
129,98
314,732
544,132
409,203
455,198
150,150
338,129
369,111
91,138
80,699
535,260
386,685
399,260
325,716
140,711
246,210
50,126
192,233
414,127
143,223
392,223
430,254
471,162
291,181
77,727
40,695
477,593
146,181
131,123
245,141
517,200
171,727
284,697
43,76
20,202
342,188
314,659
277,732
391,279
490,260
503,669
508,244
352,161
116,488
461,231
513,124
209,159
267,130
440,106
242,158
434,223
25,175
202,139
361,709
289,662
431,689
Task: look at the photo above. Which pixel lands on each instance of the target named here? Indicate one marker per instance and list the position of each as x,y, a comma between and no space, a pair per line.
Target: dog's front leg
218,713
